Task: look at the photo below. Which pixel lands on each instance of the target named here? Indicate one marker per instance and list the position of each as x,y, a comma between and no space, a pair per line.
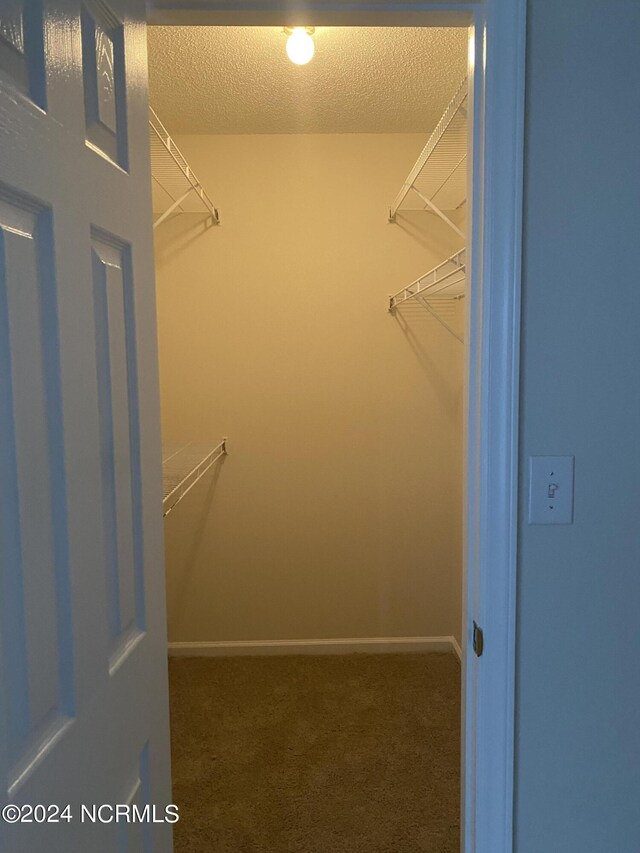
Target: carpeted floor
331,754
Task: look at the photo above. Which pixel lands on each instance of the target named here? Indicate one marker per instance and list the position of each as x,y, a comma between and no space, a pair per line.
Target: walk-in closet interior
310,226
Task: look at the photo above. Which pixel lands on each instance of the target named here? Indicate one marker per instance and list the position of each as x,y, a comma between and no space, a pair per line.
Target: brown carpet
332,754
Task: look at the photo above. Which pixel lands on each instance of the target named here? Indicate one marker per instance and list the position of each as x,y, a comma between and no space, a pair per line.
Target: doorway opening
311,233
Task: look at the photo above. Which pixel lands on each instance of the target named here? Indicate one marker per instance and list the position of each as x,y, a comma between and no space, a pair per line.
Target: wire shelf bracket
183,467
439,176
445,281
175,187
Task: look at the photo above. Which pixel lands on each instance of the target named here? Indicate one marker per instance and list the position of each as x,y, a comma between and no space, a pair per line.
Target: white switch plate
551,489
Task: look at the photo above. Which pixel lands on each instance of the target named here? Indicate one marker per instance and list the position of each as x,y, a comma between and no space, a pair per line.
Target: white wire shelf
183,466
175,188
438,180
444,283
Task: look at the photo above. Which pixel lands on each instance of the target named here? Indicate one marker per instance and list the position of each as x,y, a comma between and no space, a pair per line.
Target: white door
83,698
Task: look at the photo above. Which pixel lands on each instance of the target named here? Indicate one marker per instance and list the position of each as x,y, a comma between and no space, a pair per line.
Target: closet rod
440,319
428,203
176,204
174,176
186,482
437,279
438,176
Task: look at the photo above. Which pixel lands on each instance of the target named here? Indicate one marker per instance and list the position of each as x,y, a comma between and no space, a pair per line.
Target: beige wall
337,512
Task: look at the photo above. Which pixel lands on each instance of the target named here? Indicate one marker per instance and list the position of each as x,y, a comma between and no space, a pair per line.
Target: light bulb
300,46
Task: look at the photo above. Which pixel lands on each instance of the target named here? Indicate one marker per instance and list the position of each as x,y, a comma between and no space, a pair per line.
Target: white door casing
52,195
493,335
83,699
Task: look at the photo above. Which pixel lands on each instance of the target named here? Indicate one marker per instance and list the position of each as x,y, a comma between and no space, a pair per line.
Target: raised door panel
22,47
119,440
103,71
134,836
37,643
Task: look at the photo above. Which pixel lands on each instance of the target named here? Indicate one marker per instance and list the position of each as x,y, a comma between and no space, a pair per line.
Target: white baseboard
456,648
370,645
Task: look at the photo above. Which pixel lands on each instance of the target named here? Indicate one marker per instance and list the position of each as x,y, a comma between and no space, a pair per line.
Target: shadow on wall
179,232
418,328
413,222
193,527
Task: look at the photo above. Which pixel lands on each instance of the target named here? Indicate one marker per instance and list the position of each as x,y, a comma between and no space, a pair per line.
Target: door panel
103,68
39,670
83,704
119,438
22,47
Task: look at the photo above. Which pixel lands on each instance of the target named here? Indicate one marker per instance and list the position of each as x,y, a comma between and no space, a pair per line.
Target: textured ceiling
361,80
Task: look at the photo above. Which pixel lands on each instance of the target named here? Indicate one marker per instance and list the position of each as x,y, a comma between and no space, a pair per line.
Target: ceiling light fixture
300,44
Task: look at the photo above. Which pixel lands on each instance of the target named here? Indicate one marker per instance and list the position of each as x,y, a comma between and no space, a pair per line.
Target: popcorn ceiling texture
361,80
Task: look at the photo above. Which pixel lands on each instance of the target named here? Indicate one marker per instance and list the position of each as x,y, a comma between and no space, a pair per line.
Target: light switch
551,489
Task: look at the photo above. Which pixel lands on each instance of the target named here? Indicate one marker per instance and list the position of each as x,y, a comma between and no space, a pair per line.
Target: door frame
492,370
